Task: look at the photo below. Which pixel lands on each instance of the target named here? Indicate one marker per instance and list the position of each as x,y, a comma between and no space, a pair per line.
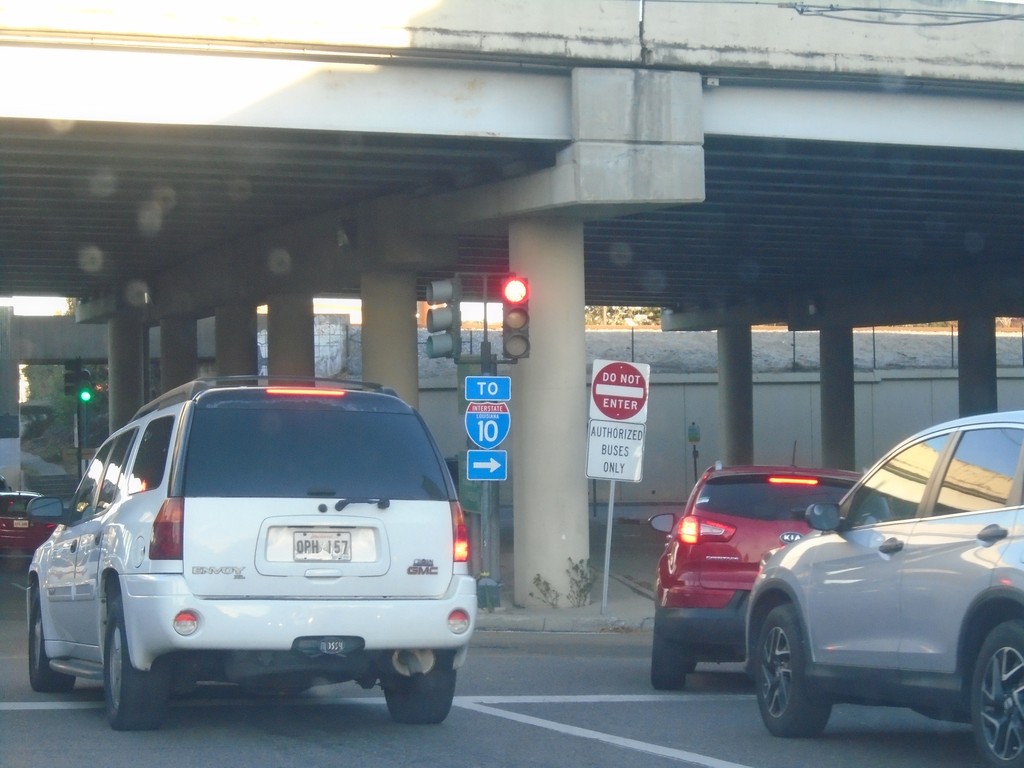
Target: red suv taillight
166,541
698,530
460,536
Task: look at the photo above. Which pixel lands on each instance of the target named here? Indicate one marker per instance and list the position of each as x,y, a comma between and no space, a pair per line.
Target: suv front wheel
997,696
789,703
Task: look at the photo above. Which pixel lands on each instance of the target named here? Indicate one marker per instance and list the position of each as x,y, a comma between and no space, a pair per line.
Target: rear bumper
709,634
151,602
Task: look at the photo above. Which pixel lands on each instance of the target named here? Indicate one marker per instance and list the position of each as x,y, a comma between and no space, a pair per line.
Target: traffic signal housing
72,368
444,321
84,389
515,317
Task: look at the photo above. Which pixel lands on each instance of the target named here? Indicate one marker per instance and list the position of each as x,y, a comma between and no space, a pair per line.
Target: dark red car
18,533
714,548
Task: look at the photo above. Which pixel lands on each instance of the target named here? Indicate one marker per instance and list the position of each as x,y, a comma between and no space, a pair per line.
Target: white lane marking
485,705
474,705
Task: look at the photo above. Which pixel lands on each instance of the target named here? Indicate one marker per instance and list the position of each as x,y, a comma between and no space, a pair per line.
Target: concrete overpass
735,163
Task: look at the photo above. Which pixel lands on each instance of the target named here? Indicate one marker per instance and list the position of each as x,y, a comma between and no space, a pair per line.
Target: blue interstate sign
486,465
489,388
487,424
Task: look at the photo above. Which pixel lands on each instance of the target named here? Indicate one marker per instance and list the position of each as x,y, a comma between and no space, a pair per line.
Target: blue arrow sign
489,388
486,465
487,424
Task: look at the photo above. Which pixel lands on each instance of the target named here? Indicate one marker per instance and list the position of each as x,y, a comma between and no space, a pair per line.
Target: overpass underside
735,164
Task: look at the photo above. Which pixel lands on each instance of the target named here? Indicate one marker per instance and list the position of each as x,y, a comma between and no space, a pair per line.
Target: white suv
911,595
277,537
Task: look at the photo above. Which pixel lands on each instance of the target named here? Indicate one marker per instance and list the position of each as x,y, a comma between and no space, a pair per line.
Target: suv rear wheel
997,704
670,664
422,698
789,703
135,700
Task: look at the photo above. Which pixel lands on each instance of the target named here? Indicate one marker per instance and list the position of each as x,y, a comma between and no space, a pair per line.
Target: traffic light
515,317
84,388
444,321
71,371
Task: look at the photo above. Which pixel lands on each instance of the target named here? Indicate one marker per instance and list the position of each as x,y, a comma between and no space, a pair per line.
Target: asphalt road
524,699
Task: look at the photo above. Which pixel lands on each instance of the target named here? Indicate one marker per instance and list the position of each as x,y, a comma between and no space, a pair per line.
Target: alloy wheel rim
1002,704
776,672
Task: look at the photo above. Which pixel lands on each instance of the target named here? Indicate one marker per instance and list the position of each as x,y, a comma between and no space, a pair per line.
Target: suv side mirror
823,516
47,509
662,522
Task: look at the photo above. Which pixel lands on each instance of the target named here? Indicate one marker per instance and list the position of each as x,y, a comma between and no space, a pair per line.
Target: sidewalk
635,550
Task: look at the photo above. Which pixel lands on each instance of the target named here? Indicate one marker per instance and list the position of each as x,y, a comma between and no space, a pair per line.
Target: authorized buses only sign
618,416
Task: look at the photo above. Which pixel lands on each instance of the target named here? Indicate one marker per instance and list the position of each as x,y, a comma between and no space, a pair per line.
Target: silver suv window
895,491
981,474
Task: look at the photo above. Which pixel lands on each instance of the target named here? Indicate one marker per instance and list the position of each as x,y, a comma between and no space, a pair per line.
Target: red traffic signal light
515,317
515,290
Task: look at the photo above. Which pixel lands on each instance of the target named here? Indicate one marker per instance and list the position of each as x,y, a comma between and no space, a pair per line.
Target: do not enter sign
618,391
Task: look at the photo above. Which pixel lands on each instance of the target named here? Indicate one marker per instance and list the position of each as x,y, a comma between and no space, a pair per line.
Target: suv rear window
14,506
310,447
758,498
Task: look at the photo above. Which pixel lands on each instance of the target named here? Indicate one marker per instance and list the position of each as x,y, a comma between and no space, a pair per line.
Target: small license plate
21,523
322,546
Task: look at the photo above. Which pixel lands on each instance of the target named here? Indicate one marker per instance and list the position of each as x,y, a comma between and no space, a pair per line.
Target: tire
997,703
789,703
135,700
421,699
670,664
40,676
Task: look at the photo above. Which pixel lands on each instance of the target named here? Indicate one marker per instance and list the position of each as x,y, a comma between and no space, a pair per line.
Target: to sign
488,424
618,391
488,388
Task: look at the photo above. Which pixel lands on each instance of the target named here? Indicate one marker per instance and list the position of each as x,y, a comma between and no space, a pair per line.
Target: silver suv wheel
997,703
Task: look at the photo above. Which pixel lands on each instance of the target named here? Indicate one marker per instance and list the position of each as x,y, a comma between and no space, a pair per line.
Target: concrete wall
890,405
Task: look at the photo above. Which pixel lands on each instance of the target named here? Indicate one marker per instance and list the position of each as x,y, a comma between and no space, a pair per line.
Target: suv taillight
166,541
460,536
698,530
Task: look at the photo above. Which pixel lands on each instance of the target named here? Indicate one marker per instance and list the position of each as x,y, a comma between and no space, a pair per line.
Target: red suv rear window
767,497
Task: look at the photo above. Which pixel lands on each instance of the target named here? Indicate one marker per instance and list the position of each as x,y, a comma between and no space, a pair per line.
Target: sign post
615,434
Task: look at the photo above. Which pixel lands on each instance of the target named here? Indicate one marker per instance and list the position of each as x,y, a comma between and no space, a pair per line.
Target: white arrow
490,465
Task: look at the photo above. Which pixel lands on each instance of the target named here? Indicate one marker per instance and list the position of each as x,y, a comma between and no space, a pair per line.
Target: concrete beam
637,137
919,300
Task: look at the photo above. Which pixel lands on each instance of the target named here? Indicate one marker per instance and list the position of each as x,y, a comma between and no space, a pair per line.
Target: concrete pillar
290,336
736,394
390,354
976,343
126,361
549,409
10,423
837,407
179,352
235,340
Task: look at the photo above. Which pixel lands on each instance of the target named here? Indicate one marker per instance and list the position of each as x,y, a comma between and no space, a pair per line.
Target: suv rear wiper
381,503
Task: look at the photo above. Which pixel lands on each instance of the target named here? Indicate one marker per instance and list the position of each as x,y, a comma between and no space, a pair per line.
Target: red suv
733,517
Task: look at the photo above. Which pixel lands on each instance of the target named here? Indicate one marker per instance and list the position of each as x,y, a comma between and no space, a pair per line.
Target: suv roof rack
192,388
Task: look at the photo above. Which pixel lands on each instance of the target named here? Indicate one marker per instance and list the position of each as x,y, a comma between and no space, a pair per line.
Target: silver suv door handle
890,546
991,533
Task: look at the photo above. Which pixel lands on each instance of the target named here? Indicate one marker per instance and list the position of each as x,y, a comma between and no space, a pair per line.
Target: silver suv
277,537
911,594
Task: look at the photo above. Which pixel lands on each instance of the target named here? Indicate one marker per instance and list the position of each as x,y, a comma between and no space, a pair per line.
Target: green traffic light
85,395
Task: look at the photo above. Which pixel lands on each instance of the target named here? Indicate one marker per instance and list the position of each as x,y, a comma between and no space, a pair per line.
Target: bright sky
57,305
